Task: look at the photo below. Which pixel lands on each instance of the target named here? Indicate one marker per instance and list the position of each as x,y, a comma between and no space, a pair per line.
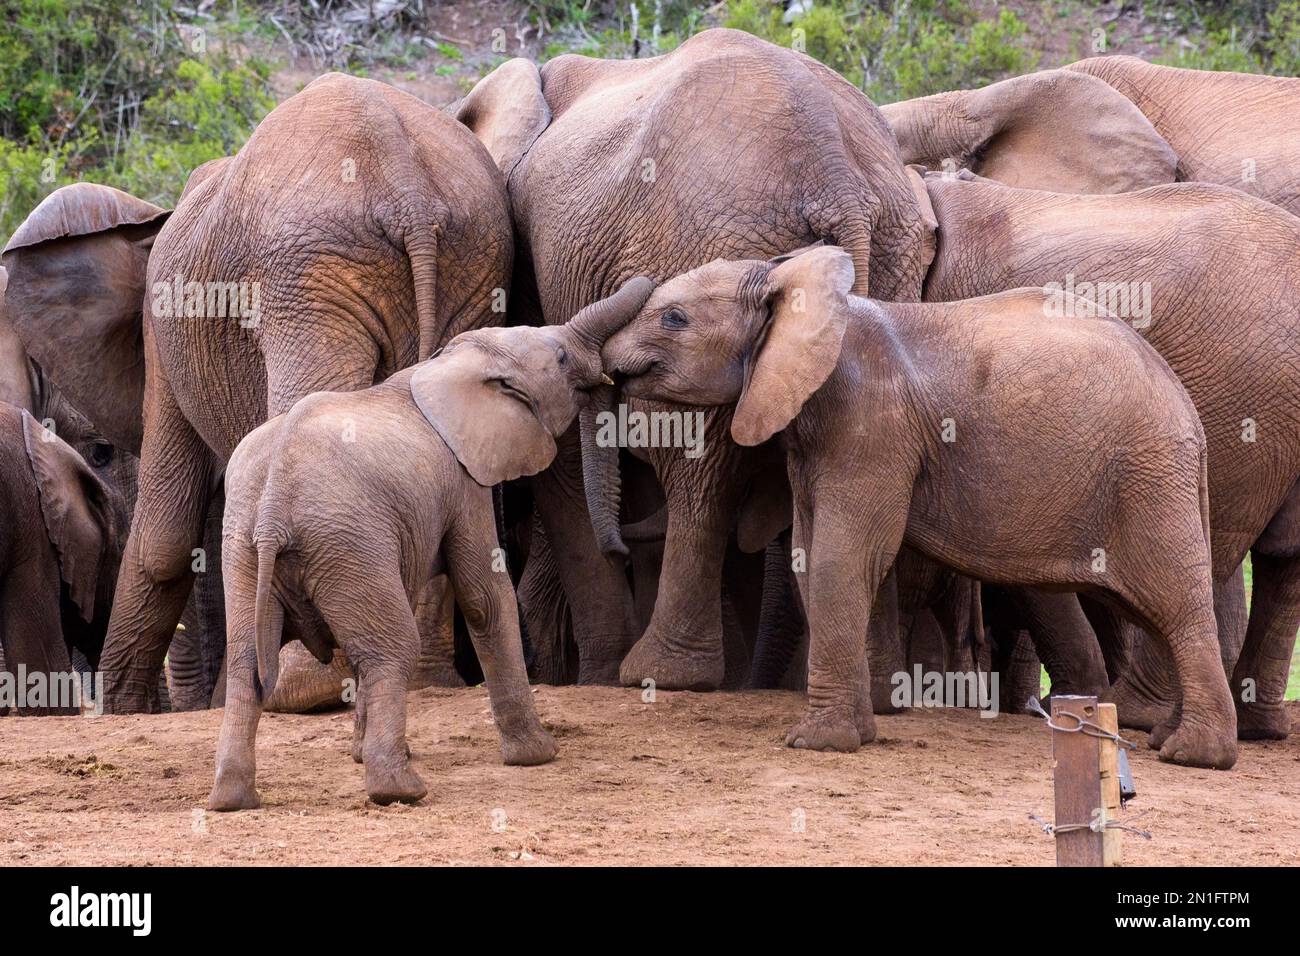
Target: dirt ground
689,779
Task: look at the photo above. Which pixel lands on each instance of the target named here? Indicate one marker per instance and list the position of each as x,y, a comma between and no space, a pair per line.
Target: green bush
913,50
1256,37
127,94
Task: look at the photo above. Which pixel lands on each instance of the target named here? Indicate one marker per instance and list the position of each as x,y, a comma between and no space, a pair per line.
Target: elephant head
500,397
765,335
83,520
1055,130
76,295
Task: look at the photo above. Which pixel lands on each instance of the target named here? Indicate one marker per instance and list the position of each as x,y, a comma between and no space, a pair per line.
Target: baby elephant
338,511
1016,448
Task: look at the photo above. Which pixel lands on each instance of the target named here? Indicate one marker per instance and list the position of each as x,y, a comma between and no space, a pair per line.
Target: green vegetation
129,94
1254,37
913,50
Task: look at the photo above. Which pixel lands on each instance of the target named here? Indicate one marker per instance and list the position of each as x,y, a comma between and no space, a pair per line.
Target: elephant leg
389,775
1231,614
359,722
1114,635
235,785
849,553
435,609
545,611
30,629
682,649
185,664
742,593
362,600
1146,693
734,648
487,600
209,599
885,654
153,584
595,587
781,624
1018,668
196,654
1202,731
1063,640
1259,678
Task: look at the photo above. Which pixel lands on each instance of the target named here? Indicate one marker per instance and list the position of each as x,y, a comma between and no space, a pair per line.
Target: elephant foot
1135,708
672,668
133,693
436,675
233,792
1163,731
882,699
1256,721
829,728
305,684
528,749
1196,746
600,673
866,726
402,785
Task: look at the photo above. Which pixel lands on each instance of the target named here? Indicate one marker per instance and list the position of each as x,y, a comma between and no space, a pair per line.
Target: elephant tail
267,621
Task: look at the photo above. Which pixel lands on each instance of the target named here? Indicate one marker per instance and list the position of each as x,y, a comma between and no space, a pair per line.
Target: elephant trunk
588,331
598,321
600,478
929,130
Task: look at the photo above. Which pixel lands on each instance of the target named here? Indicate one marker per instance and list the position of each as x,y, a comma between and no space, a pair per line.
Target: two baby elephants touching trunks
858,389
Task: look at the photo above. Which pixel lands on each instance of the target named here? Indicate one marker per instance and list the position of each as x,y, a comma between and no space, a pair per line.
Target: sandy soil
692,778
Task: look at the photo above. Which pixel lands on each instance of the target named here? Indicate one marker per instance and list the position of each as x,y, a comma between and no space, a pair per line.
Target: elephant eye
101,453
673,320
562,356
514,391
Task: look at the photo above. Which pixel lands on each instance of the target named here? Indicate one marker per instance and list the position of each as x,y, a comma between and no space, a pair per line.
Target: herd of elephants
989,377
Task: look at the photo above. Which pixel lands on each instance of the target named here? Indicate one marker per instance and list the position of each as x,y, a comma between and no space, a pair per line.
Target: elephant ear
76,509
495,436
806,300
16,384
507,112
76,296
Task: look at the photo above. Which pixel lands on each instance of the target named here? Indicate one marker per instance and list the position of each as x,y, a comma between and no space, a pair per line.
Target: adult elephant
1236,129
1207,274
1056,129
1112,124
80,474
726,147
356,231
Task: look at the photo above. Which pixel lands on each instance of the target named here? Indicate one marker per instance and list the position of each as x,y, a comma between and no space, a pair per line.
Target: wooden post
1108,719
1076,758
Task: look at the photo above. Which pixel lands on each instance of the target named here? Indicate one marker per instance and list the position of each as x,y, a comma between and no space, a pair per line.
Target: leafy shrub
127,94
913,50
